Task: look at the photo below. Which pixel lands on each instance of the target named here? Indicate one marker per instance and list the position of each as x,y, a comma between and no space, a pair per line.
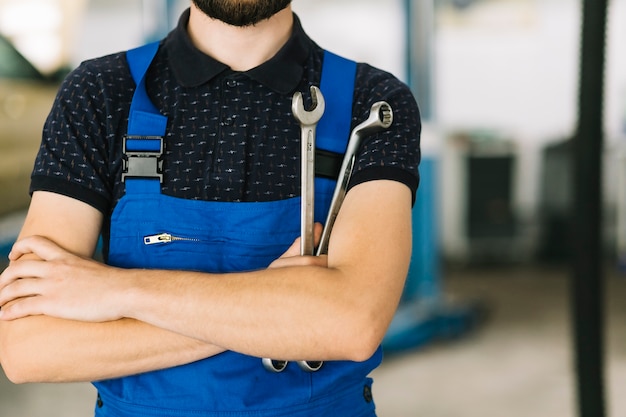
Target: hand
292,256
58,284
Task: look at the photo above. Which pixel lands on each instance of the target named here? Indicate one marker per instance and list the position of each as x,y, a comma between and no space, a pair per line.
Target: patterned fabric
231,135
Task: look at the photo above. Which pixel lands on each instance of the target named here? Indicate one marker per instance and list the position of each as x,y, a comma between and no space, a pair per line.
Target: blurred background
485,324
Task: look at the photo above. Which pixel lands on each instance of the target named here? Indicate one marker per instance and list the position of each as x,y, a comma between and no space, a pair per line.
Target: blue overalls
152,230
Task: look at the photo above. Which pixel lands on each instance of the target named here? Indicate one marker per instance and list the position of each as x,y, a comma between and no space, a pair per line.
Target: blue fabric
221,237
337,86
145,119
151,145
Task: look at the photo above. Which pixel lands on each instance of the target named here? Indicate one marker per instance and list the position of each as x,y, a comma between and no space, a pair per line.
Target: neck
241,48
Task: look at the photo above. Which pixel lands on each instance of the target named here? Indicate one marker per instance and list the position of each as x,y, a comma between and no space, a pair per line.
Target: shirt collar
282,73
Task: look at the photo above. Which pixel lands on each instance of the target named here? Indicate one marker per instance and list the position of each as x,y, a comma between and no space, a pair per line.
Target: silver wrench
380,118
308,121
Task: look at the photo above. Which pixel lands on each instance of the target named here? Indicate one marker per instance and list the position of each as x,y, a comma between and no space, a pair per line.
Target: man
201,278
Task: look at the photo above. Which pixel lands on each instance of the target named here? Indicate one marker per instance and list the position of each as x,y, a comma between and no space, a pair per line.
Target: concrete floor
518,363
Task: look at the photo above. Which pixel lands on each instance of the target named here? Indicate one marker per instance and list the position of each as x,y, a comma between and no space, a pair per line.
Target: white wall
364,30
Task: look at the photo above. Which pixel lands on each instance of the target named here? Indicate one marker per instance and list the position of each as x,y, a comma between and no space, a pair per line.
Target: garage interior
489,324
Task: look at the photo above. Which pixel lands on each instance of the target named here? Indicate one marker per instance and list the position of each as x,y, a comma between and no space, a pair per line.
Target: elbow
363,348
17,360
13,370
19,370
23,365
14,377
6,362
362,353
16,365
367,328
363,341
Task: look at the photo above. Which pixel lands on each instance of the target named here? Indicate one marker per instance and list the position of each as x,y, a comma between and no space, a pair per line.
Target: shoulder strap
143,143
333,130
145,119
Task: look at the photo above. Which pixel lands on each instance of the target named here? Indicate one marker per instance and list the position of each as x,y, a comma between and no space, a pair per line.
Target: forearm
299,313
45,349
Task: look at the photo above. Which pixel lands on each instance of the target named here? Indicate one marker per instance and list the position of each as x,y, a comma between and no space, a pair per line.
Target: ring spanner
308,122
380,118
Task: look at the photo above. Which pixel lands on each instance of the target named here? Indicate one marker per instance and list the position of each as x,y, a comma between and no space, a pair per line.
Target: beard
241,12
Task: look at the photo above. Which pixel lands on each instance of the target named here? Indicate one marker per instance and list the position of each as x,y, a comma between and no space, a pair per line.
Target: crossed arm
65,317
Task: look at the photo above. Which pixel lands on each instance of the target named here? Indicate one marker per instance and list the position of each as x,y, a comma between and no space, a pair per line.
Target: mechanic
202,274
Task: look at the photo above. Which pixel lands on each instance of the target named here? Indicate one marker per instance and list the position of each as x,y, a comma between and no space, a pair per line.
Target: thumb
294,249
317,232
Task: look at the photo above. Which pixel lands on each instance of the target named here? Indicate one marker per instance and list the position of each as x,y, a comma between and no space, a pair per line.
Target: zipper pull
166,238
156,239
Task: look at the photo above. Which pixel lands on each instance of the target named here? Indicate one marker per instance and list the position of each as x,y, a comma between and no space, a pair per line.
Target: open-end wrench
308,121
380,118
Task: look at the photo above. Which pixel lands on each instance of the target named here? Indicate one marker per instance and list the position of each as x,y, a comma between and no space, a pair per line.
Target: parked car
26,96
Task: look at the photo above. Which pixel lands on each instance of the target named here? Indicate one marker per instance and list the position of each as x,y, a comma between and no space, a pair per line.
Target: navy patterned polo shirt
231,135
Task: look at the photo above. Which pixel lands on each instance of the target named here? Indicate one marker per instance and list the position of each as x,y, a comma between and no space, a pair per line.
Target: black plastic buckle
143,164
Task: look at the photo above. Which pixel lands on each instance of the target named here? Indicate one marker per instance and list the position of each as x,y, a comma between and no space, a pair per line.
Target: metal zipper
166,238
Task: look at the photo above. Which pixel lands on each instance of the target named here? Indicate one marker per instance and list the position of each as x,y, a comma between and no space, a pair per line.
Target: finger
20,269
21,288
40,246
294,249
20,308
317,232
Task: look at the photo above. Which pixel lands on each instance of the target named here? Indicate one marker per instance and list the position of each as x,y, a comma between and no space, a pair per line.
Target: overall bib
155,231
